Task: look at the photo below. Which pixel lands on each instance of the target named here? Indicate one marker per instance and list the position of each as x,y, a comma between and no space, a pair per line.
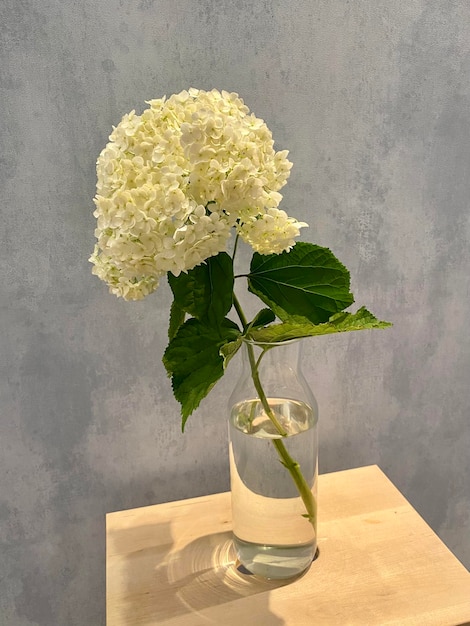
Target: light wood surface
379,564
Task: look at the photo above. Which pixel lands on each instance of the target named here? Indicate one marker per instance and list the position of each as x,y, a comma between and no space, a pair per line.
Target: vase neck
273,359
273,370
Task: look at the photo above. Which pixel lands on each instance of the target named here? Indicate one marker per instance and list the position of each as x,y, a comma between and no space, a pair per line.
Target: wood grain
379,563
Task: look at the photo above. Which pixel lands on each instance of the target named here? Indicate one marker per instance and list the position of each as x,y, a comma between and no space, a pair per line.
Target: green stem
302,486
292,466
239,311
260,391
235,247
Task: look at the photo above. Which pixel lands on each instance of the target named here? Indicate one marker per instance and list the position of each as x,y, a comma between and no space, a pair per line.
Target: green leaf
262,318
339,323
229,350
307,281
177,316
194,362
206,291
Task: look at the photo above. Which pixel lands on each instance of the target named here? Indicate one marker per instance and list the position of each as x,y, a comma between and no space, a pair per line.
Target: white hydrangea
173,182
272,232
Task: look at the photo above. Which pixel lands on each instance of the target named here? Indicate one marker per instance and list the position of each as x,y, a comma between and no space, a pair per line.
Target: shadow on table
159,584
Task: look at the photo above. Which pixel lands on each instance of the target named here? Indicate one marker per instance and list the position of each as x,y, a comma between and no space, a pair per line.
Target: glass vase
273,462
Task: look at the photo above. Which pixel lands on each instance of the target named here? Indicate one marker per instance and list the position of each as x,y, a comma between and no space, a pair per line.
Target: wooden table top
379,563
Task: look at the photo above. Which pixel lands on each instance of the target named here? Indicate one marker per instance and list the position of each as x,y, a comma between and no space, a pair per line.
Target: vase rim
273,344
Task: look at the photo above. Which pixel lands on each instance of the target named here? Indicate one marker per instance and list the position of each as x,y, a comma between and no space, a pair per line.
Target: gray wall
372,99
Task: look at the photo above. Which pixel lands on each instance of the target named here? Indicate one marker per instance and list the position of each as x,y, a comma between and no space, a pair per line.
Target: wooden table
379,563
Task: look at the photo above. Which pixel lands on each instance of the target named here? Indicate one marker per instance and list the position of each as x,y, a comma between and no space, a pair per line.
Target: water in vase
271,536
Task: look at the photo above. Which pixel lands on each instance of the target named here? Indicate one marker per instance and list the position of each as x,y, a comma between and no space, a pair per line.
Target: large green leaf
177,316
194,362
206,291
293,328
308,281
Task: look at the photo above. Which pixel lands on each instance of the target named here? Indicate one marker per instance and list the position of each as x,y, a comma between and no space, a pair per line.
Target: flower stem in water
289,463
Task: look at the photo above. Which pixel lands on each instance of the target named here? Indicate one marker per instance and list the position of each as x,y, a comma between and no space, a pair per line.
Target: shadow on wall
149,582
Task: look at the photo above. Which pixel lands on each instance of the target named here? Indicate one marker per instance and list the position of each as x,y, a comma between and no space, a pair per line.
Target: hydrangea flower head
174,181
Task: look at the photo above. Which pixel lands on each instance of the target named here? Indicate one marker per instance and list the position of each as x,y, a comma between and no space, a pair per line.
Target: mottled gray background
372,100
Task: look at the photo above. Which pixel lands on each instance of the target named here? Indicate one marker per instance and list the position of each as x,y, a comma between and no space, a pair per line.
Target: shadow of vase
206,574
158,583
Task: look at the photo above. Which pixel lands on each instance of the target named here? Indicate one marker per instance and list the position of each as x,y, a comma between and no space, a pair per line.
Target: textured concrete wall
372,99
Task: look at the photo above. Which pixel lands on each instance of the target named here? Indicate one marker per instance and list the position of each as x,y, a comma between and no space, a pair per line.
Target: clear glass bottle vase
273,462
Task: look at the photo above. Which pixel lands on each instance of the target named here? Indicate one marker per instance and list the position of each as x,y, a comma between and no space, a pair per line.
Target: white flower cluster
172,183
